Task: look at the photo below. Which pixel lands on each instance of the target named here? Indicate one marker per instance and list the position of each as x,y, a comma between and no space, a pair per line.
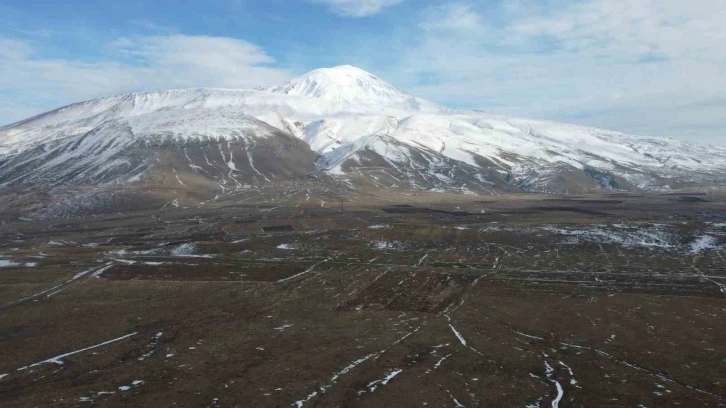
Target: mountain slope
532,155
223,146
354,125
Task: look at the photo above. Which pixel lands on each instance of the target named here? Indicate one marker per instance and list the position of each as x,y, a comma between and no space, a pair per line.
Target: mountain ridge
362,128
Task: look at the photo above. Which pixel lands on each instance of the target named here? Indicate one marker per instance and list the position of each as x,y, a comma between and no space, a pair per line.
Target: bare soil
279,298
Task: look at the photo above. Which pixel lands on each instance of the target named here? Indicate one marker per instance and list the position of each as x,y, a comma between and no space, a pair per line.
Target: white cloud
648,66
456,17
11,49
626,28
31,83
357,8
180,60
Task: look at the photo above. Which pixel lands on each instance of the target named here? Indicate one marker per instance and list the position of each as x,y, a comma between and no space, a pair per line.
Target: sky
647,67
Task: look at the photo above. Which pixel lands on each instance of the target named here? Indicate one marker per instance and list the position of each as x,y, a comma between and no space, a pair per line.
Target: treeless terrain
303,296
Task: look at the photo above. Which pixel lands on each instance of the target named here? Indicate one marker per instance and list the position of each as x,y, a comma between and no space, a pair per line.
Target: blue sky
652,67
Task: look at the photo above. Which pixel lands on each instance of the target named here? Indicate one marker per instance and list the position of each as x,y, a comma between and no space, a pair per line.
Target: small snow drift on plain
703,243
184,249
380,226
654,237
5,263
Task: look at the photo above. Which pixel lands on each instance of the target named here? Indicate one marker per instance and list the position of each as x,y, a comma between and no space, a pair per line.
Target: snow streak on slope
363,126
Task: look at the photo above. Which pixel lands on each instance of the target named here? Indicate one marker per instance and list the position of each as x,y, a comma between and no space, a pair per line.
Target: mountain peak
349,68
336,83
352,85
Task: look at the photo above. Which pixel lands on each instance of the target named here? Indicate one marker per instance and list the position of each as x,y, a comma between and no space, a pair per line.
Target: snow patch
627,237
5,263
703,243
383,381
184,249
380,226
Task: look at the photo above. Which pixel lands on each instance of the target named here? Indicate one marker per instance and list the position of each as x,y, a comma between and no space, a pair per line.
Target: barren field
305,297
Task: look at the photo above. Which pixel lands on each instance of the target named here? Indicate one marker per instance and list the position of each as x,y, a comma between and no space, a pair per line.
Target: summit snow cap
348,84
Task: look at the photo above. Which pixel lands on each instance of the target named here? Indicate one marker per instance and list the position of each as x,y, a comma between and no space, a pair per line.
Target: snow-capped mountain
357,126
